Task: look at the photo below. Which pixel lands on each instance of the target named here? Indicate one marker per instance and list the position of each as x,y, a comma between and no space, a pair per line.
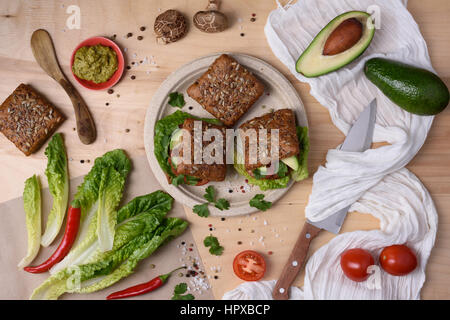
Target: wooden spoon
44,53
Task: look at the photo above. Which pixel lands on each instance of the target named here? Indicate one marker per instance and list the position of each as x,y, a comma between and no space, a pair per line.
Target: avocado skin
416,90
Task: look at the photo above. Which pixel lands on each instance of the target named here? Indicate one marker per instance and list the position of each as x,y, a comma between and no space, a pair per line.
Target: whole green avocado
416,90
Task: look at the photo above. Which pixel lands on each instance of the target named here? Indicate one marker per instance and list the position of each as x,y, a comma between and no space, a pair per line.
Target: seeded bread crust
284,121
226,90
27,119
211,172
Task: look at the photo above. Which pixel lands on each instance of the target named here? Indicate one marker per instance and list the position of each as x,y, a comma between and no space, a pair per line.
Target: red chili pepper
70,234
142,288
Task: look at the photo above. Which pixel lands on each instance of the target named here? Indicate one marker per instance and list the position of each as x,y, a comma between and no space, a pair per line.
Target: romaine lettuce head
97,182
170,229
298,175
58,184
144,230
32,206
163,131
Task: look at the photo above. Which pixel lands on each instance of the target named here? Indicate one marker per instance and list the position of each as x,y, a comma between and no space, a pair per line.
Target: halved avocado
313,63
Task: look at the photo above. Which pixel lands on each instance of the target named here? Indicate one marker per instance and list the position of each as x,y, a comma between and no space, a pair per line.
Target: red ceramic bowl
120,63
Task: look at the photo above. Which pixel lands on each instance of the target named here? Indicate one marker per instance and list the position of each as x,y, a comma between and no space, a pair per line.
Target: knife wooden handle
295,262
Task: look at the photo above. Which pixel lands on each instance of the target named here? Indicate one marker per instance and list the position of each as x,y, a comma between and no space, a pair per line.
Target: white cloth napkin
374,181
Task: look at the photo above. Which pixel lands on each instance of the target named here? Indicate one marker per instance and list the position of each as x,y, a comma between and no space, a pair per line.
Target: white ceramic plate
279,94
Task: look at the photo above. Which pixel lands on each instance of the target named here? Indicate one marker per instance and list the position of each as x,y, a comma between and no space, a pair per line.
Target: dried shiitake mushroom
211,20
170,26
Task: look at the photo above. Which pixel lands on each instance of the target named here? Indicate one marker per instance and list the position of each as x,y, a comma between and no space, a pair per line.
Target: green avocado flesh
313,63
416,90
292,162
175,138
175,161
262,170
95,63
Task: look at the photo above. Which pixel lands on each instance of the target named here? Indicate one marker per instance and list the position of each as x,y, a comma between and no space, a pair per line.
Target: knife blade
358,139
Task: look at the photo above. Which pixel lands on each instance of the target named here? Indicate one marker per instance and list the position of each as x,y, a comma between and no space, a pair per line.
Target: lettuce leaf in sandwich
297,175
164,129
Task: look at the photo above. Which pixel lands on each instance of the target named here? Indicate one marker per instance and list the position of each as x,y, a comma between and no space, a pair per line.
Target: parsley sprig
202,209
176,100
214,246
179,290
258,202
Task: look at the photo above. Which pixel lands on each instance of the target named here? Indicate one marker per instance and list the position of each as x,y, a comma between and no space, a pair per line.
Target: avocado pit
345,36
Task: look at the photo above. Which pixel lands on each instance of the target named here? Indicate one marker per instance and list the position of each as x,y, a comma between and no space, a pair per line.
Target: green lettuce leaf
298,175
87,192
171,228
302,172
163,131
32,206
110,193
113,265
263,184
58,184
141,228
158,201
87,197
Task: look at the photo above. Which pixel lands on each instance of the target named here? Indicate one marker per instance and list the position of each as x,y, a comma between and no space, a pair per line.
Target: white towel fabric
374,181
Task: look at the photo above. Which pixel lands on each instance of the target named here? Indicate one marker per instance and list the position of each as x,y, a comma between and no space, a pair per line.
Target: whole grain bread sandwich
183,152
226,90
272,168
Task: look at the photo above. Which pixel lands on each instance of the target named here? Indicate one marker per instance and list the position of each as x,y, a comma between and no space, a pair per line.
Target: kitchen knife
358,139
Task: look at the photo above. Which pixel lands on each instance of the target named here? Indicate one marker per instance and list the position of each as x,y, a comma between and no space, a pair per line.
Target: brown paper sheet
18,284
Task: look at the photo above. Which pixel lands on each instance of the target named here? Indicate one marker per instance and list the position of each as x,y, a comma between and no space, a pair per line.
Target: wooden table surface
120,124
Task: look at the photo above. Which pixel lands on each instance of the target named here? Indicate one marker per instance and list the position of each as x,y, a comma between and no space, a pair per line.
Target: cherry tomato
354,264
398,260
249,265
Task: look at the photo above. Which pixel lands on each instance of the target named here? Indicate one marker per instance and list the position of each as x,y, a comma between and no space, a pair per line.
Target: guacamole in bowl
95,63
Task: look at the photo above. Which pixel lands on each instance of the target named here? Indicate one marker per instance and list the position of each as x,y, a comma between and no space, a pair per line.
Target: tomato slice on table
249,265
